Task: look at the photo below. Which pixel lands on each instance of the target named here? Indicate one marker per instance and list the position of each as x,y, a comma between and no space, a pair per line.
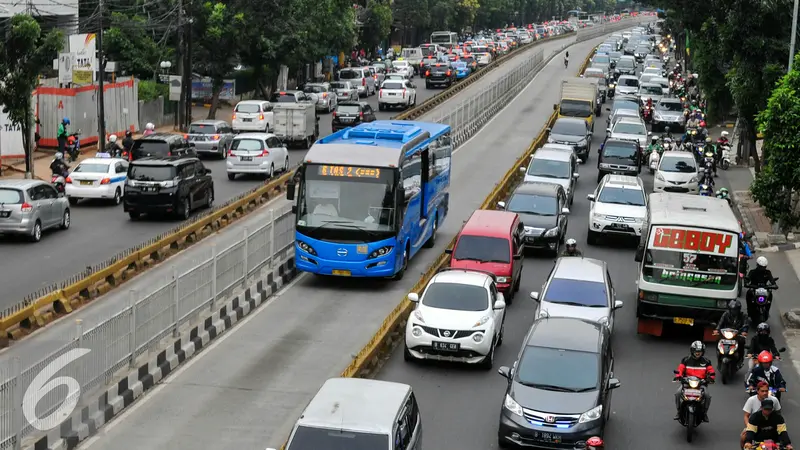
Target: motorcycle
647,114
759,301
690,409
593,443
74,146
705,190
766,445
728,355
725,161
652,162
59,182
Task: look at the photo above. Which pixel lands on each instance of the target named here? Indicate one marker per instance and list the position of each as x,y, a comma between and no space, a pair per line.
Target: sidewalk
42,159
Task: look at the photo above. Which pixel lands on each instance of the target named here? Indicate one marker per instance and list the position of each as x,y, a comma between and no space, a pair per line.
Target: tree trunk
215,90
751,144
26,142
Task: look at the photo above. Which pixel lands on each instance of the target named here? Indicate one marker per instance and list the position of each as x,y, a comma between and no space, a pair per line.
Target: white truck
579,99
296,123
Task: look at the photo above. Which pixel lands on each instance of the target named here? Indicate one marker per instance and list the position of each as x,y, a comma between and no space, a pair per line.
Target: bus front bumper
376,267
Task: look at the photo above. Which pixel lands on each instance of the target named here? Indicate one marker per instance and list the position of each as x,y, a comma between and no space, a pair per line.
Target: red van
492,241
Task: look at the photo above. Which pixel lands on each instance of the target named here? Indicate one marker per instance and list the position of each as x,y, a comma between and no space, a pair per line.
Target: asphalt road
461,406
248,388
100,231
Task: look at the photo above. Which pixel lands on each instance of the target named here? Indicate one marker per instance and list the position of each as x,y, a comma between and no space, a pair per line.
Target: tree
377,23
410,15
776,187
129,43
24,53
218,38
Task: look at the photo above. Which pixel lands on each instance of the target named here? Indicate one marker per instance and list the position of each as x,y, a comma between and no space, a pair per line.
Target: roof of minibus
668,208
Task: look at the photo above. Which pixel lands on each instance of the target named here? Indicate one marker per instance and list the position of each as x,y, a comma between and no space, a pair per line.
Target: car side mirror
649,133
576,175
608,130
523,169
608,109
535,296
501,205
500,304
517,257
208,171
413,297
782,349
613,383
290,191
639,254
555,106
505,372
448,251
590,197
565,211
192,144
618,304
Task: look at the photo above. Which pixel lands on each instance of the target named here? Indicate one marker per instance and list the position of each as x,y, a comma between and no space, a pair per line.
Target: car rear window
144,148
338,85
278,97
202,128
348,109
248,107
393,85
92,168
247,145
10,196
151,173
349,74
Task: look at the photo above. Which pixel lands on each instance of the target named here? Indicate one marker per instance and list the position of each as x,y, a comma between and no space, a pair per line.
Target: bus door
413,204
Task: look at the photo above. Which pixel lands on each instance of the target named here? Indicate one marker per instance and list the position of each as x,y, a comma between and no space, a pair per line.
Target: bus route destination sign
349,171
694,239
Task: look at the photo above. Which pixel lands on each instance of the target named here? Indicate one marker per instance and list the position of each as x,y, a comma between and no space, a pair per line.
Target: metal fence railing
46,388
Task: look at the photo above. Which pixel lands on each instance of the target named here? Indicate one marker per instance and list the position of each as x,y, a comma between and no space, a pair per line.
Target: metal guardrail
114,344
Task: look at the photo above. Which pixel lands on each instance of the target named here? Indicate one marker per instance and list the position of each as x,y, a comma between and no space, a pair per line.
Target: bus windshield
346,198
692,257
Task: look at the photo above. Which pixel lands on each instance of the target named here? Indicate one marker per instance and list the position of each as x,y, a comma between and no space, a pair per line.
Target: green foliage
131,45
377,23
780,177
24,54
150,90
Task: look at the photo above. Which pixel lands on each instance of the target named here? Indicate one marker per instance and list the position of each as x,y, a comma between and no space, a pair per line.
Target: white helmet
571,241
112,139
724,134
59,155
150,127
762,261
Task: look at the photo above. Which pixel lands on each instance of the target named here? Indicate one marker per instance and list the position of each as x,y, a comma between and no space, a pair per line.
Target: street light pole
794,35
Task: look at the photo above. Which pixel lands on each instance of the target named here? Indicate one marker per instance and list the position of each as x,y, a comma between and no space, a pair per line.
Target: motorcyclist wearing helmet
654,145
667,133
762,341
593,443
61,135
767,372
760,275
149,129
767,424
112,147
127,142
571,248
695,365
710,146
735,318
58,166
723,139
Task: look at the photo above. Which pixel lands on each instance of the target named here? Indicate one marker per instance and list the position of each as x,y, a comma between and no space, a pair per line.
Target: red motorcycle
647,113
593,443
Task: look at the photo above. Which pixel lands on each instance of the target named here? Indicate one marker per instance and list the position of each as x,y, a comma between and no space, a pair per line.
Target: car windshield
555,369
569,128
393,85
91,168
651,89
248,108
10,196
202,128
457,297
630,82
537,205
483,249
619,150
314,89
602,59
549,168
678,165
576,293
642,49
349,74
247,145
625,64
601,79
151,173
670,106
620,196
630,128
310,438
347,109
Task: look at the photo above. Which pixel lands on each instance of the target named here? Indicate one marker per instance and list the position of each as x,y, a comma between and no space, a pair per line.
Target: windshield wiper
624,203
533,213
550,387
572,304
358,227
543,175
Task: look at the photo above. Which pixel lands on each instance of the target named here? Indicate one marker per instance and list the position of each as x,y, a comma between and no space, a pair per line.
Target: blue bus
370,197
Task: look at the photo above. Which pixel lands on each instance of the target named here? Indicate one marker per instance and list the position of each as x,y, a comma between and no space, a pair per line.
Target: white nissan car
677,172
459,318
98,178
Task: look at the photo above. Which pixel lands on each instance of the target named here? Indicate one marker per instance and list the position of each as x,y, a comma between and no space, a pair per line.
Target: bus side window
412,174
433,148
443,152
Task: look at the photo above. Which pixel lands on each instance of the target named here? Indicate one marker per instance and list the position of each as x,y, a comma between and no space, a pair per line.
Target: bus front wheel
399,275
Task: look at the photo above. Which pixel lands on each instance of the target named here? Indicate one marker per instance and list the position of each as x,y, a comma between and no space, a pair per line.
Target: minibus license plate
683,321
341,273
446,346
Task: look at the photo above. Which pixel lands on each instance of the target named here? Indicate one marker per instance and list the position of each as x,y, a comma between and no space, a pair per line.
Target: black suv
350,114
161,145
440,74
620,157
174,184
559,389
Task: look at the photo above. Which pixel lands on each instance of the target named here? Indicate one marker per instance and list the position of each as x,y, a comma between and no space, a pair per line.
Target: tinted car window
619,150
308,438
483,249
91,168
393,85
10,196
247,144
678,165
619,196
670,106
339,85
459,297
277,97
538,205
569,128
143,148
202,128
556,369
631,82
348,109
576,292
550,168
349,75
151,173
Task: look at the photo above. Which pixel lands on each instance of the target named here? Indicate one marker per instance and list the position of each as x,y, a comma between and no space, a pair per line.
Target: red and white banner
695,240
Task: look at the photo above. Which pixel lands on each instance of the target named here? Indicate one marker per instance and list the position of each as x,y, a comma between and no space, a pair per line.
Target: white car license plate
446,346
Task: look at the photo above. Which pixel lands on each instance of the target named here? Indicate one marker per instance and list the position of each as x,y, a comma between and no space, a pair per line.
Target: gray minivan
359,414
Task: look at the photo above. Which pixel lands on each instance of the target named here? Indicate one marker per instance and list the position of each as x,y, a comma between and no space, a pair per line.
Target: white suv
459,317
618,207
397,93
253,115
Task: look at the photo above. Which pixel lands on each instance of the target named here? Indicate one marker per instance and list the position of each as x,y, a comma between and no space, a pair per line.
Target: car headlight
418,315
383,251
694,180
722,304
581,143
659,177
503,279
416,331
658,116
306,248
482,321
512,406
528,230
551,232
593,414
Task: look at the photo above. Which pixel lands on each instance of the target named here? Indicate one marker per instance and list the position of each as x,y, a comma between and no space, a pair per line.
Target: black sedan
575,132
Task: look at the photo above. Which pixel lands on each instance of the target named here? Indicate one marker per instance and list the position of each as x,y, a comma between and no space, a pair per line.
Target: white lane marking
173,375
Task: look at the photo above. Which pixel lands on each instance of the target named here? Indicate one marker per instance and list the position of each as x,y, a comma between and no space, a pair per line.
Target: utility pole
101,98
187,70
181,66
794,36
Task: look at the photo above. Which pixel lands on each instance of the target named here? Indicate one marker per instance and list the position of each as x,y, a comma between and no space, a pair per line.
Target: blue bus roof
383,143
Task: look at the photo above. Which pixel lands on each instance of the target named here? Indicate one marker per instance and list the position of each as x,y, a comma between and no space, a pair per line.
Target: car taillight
361,114
215,137
234,117
230,153
334,114
26,207
448,73
186,136
428,73
68,180
264,152
363,81
105,181
260,117
325,94
404,93
380,93
169,153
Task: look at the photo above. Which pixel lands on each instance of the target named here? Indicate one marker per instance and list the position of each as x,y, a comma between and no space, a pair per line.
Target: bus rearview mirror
290,191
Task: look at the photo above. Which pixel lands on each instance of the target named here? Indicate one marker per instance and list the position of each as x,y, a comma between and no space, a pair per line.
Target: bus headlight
722,304
306,248
383,251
